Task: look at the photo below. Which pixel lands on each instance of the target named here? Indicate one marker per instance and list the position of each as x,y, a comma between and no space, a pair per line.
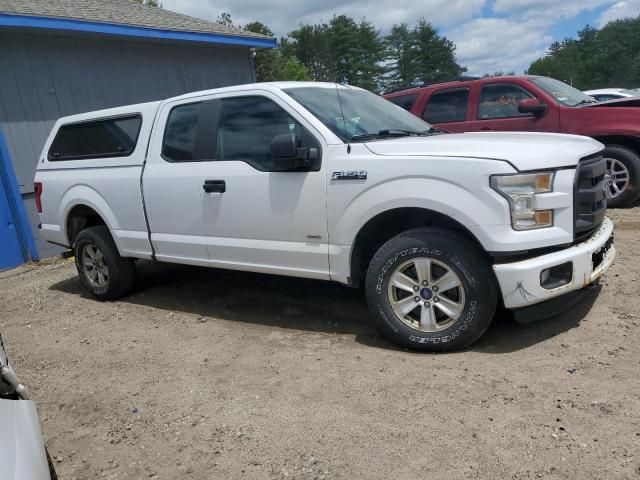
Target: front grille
590,201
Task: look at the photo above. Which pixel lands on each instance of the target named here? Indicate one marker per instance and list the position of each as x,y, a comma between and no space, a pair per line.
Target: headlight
520,191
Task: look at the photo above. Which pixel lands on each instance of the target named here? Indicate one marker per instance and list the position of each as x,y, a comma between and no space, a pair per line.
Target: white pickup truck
334,183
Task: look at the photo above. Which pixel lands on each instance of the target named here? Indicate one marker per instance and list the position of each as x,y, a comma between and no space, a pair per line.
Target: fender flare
444,198
84,195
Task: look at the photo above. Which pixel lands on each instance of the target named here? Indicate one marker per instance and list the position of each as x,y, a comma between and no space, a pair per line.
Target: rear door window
447,106
501,101
104,138
404,101
179,144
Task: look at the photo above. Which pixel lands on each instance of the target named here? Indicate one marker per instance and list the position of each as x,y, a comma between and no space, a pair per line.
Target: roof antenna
344,122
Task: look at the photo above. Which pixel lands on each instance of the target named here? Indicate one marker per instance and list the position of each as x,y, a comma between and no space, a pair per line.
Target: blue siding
10,249
16,242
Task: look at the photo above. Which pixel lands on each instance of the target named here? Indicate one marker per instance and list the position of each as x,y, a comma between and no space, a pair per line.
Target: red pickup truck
537,104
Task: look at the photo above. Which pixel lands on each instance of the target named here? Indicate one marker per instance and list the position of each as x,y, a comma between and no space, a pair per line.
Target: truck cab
532,103
331,182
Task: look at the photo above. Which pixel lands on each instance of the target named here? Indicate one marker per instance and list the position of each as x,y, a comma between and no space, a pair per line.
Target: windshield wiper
389,133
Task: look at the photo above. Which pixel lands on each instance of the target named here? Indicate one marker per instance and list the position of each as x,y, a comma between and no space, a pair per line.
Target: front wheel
622,178
431,289
102,270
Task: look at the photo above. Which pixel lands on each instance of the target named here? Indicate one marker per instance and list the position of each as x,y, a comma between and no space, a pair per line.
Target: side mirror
286,153
532,105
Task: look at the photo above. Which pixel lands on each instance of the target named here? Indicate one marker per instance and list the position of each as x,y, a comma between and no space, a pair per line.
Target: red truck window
447,106
404,101
501,101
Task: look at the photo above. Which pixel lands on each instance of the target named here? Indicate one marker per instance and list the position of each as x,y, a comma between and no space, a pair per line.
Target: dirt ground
209,374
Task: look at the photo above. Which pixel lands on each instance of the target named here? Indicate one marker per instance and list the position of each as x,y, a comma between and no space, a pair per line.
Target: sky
490,35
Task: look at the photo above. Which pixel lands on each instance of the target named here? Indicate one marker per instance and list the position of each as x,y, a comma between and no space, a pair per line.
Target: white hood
524,150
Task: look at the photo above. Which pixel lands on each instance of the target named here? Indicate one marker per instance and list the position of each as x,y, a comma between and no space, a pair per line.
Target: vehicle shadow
300,304
506,335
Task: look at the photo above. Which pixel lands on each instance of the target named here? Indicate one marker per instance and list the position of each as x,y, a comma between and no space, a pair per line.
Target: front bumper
521,282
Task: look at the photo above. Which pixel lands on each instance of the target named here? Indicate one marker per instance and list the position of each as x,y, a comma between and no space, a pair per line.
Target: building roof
122,17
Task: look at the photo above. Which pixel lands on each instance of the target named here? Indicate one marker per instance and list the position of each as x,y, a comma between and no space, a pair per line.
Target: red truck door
494,106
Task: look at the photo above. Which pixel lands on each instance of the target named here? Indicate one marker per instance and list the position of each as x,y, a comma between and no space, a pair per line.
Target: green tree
339,51
292,69
399,54
271,63
367,57
589,58
434,55
311,45
343,38
549,66
346,51
604,57
266,59
419,55
225,19
620,44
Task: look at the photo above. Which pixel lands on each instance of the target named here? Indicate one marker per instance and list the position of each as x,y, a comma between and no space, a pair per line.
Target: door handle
486,129
214,186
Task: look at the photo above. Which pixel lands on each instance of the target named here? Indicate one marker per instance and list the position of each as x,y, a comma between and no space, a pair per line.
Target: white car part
523,283
520,191
22,454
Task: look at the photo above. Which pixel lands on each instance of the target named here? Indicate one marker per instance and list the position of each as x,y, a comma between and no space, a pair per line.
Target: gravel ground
215,374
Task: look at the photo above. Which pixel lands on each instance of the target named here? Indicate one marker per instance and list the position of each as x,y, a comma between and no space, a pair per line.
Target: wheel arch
83,201
79,217
385,225
629,141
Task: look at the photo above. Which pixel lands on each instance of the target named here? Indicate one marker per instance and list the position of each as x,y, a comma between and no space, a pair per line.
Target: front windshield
563,93
366,116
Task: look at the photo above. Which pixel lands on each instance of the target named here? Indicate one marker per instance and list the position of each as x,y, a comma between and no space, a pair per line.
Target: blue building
61,57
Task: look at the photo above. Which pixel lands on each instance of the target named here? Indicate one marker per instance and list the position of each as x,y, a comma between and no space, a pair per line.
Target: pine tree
368,56
596,58
271,64
435,57
399,45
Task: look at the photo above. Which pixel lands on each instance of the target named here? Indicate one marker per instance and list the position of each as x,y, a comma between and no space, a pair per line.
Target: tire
104,273
473,301
622,158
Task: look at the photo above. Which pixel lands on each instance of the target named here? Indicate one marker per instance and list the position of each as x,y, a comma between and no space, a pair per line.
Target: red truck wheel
622,177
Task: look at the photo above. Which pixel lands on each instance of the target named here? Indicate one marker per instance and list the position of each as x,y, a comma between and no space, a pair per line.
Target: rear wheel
102,270
622,178
431,289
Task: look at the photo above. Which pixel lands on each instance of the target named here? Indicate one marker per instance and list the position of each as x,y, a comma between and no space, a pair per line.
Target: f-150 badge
350,175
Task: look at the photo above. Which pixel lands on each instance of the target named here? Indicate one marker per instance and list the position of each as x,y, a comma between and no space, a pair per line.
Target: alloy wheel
616,178
426,294
94,266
